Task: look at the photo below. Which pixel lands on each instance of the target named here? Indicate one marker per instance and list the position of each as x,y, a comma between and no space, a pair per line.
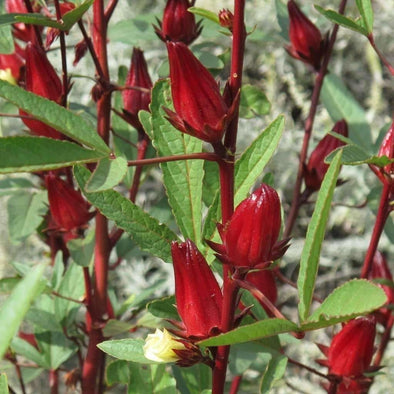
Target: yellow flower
159,347
6,75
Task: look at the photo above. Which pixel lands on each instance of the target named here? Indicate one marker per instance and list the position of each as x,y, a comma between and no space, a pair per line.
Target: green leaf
8,284
28,154
251,332
311,252
366,11
25,349
17,304
354,298
253,161
341,104
3,384
146,231
115,327
275,370
242,355
194,379
6,40
108,173
72,286
126,349
25,214
164,308
150,379
282,17
254,102
73,16
117,372
212,16
182,179
54,115
44,318
32,19
342,20
81,249
354,155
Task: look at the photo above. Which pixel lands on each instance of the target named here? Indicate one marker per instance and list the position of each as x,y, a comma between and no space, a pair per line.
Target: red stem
235,384
165,159
295,205
381,217
384,341
226,169
381,57
35,27
54,381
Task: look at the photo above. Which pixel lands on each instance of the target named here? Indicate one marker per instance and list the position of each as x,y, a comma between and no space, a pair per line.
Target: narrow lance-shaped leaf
17,304
28,154
182,179
146,231
366,11
311,252
54,115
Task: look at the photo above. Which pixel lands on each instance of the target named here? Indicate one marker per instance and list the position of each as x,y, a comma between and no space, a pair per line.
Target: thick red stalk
296,201
381,217
226,167
235,384
97,302
381,57
54,381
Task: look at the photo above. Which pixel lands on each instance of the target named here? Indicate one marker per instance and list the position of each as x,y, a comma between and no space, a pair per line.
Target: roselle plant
228,219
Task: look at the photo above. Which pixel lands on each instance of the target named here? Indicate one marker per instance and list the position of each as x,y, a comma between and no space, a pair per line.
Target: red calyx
198,295
316,168
306,40
200,109
178,23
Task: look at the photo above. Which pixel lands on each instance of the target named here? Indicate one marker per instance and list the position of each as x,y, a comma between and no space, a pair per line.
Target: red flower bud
316,168
53,33
306,41
80,51
68,208
20,30
12,64
198,295
250,236
226,19
200,109
134,99
351,350
41,79
178,23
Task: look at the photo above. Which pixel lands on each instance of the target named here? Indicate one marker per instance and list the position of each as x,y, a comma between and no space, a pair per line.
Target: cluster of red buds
350,354
178,24
316,168
307,43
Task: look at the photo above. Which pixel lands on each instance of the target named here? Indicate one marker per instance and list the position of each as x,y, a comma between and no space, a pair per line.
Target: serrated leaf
108,174
315,234
274,371
252,162
150,379
212,16
3,384
6,40
117,372
342,20
253,102
164,308
17,304
33,18
146,231
341,104
126,349
28,154
73,16
366,11
25,213
251,332
70,124
354,298
183,179
354,155
81,249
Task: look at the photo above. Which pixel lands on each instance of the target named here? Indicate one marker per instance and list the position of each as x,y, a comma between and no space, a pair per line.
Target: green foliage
275,370
6,40
253,103
29,154
126,349
183,178
147,232
17,304
3,384
192,380
314,237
